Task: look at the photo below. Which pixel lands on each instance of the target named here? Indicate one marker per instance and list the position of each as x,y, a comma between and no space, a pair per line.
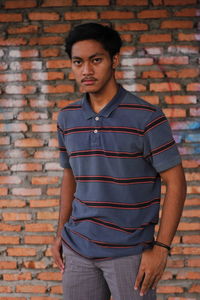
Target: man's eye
77,62
97,60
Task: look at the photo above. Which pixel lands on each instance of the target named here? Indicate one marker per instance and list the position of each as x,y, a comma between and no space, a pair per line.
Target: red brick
48,3
113,14
175,60
8,227
8,265
46,155
21,251
175,263
187,12
35,264
41,103
39,227
193,189
10,180
169,289
50,52
47,75
11,77
195,262
179,2
24,30
24,53
86,15
188,37
153,14
93,2
45,180
194,112
19,89
12,216
191,239
9,240
58,28
29,142
193,176
20,276
164,87
30,289
43,16
11,103
48,40
132,2
5,140
61,88
3,167
10,17
20,4
126,37
186,49
171,24
27,167
195,86
3,191
5,289
151,99
191,163
44,128
137,61
131,27
37,239
3,66
58,64
27,191
183,73
44,203
56,289
12,42
47,215
6,116
195,289
185,99
14,154
12,203
53,191
155,38
32,116
174,112
49,276
189,226
152,74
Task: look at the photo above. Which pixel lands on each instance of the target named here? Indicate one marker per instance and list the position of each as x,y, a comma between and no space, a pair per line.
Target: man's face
92,66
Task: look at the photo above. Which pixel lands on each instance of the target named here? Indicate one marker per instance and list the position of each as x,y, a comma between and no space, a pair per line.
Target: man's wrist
163,246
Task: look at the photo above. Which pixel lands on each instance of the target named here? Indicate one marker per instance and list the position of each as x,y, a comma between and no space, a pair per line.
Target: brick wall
159,63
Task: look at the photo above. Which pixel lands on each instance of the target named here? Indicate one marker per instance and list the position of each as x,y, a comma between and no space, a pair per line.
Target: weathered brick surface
159,63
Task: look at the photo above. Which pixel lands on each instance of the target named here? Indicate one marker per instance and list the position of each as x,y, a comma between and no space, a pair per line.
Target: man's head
94,53
108,37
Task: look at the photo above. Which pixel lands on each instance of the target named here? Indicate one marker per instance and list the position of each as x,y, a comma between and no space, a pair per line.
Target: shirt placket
96,124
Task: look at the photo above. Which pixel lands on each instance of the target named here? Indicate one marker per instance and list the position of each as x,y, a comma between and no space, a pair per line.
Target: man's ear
115,61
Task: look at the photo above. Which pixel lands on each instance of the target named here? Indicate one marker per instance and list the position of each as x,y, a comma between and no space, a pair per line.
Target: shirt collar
110,106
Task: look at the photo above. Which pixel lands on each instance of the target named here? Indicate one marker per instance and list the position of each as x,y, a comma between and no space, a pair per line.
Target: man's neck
103,97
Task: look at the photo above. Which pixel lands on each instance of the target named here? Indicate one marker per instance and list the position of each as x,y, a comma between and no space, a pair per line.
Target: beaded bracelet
164,246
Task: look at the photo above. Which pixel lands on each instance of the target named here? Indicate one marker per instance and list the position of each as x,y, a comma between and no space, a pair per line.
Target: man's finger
146,284
156,282
139,278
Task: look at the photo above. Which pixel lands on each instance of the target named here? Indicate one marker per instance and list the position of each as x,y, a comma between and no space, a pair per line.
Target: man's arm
154,260
68,187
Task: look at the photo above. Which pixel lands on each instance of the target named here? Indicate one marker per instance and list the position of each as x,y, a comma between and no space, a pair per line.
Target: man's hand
151,268
56,251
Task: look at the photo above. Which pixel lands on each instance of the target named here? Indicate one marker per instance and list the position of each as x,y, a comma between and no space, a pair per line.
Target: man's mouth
88,81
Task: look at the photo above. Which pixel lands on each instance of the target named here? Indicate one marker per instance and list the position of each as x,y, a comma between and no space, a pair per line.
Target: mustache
88,79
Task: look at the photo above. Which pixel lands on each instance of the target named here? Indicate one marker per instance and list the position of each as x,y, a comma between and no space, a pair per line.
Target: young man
115,148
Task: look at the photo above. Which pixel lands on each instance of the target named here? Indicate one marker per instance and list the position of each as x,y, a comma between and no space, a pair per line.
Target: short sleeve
160,148
64,158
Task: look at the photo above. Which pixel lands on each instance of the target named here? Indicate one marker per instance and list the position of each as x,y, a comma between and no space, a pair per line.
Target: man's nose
87,68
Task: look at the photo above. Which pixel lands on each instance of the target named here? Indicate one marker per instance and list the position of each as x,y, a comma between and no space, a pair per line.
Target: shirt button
95,131
97,118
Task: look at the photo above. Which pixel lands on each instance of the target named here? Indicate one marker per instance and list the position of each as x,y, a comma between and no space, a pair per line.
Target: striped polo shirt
116,156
